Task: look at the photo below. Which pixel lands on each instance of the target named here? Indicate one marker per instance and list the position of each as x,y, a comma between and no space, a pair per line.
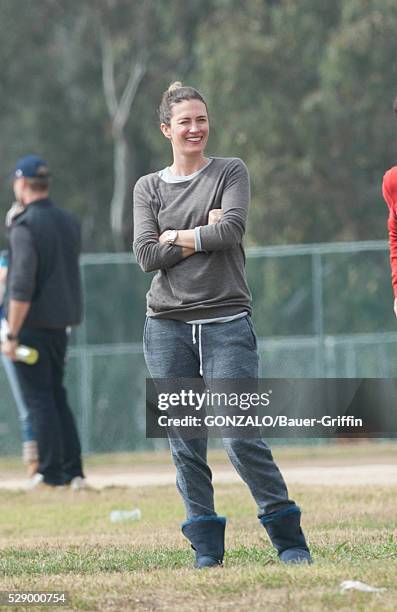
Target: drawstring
200,346
200,352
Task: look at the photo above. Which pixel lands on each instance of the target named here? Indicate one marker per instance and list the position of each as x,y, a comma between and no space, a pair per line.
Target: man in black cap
43,299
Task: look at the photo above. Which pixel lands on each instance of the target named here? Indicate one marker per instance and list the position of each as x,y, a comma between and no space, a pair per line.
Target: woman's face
189,127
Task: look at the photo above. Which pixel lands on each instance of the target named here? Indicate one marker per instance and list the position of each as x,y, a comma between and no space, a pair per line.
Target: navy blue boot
207,537
284,530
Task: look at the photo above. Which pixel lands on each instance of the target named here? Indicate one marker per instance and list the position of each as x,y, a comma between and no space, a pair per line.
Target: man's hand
8,349
214,216
395,306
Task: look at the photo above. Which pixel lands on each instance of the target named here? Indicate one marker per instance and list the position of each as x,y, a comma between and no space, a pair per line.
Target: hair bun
175,85
175,94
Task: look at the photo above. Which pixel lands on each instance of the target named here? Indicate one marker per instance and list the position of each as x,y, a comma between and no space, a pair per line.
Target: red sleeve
389,190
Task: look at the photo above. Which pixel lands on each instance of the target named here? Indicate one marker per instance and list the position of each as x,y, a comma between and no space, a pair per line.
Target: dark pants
44,393
223,350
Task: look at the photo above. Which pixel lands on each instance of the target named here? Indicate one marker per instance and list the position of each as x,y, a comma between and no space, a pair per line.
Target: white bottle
26,354
119,516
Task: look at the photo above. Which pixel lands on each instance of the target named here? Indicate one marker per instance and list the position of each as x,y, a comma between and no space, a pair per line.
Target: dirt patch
382,474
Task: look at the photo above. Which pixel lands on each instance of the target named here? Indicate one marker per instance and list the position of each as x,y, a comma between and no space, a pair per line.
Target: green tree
302,91
350,119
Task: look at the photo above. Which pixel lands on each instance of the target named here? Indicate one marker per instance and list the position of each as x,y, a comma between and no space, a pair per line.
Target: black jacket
45,245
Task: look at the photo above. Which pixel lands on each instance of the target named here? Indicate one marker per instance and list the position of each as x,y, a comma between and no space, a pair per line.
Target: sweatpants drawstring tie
200,345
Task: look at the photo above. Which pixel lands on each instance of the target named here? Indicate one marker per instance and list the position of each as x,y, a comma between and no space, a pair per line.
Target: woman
189,222
29,443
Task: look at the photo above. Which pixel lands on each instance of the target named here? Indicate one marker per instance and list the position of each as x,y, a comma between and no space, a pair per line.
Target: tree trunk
119,110
121,158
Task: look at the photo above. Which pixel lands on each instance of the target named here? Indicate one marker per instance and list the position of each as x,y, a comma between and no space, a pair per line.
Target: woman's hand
214,216
187,251
163,237
168,237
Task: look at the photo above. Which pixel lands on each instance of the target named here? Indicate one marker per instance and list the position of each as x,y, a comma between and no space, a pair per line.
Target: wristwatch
11,337
171,236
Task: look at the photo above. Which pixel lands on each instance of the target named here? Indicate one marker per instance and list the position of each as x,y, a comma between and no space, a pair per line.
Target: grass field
60,540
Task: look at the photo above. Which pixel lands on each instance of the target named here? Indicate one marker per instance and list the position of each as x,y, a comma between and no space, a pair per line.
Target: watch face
171,236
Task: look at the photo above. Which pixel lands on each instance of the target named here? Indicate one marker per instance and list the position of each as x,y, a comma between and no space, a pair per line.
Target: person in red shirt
389,190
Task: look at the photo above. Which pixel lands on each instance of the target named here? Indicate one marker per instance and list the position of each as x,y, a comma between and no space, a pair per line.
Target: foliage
302,91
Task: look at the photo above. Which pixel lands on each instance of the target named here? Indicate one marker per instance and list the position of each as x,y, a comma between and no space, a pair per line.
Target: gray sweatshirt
208,284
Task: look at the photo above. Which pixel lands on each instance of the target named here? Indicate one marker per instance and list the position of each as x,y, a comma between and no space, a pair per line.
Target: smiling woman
189,223
185,122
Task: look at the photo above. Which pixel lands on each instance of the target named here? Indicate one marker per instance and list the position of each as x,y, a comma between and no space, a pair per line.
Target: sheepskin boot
207,537
284,530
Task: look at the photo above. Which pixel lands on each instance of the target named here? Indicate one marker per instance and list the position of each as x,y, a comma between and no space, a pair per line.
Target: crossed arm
152,251
224,230
186,238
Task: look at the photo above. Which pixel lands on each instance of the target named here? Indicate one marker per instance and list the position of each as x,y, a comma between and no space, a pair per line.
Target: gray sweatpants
174,349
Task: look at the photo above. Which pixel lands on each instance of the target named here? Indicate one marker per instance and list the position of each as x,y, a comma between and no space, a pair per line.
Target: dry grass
60,540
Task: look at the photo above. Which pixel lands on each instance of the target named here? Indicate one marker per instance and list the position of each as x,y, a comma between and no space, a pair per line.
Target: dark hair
39,183
174,94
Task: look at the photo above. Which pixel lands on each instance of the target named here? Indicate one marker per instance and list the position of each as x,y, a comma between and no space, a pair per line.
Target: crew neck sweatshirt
207,284
170,177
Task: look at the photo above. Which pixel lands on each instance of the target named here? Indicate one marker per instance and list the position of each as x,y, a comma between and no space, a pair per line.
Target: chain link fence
321,310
